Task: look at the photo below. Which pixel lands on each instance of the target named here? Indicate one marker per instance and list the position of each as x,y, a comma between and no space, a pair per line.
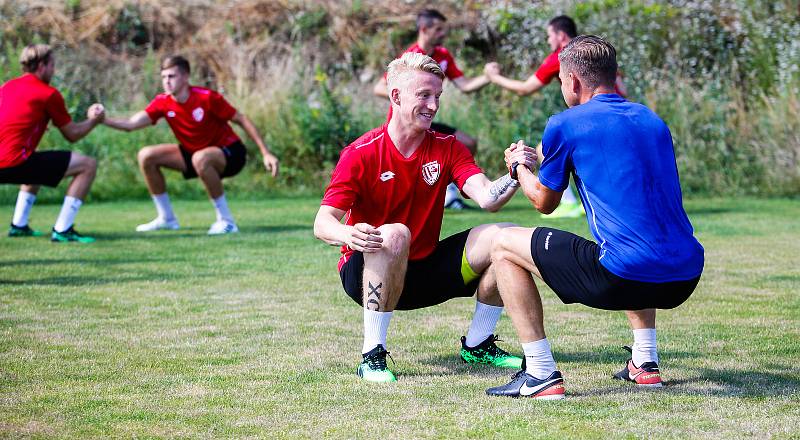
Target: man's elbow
544,207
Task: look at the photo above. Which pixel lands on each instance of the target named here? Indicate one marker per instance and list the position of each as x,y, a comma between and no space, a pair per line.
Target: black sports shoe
646,375
373,368
70,235
22,231
524,385
487,352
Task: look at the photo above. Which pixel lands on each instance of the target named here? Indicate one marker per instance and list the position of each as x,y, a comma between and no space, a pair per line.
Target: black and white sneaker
524,385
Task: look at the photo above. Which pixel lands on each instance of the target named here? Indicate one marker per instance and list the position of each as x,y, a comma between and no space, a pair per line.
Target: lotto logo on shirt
430,172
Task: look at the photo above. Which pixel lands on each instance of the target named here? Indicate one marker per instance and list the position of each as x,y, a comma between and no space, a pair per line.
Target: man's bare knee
146,157
501,249
396,238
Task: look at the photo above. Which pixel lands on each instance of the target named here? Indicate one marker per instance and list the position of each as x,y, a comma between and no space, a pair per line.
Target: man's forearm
516,86
252,131
474,84
119,124
499,192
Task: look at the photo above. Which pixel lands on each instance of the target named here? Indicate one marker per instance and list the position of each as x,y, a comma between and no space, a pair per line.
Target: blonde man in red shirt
207,146
390,185
27,104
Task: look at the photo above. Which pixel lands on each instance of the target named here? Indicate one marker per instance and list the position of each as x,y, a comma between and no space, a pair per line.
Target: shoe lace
377,361
493,349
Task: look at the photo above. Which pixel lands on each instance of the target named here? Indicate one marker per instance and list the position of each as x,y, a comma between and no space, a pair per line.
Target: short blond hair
411,62
34,55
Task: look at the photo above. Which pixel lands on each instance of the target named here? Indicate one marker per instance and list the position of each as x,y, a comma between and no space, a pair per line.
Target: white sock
452,194
67,215
376,324
163,207
569,196
644,346
223,213
483,323
23,209
539,361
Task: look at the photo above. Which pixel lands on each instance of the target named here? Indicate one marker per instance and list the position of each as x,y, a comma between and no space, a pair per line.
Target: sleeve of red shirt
452,72
343,190
154,110
221,108
57,110
463,164
549,69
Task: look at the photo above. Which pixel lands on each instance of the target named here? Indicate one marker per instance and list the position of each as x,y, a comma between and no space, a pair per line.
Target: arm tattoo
501,186
374,297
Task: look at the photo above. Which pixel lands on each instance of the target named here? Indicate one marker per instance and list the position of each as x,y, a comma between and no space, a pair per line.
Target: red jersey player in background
27,104
560,31
208,148
390,185
431,31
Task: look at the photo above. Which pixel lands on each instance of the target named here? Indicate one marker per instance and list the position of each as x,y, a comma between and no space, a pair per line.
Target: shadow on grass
104,262
75,280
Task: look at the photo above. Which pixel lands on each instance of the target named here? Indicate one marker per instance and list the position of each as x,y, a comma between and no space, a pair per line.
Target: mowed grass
177,334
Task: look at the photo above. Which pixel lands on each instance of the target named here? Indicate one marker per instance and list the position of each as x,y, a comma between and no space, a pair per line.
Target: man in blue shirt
645,256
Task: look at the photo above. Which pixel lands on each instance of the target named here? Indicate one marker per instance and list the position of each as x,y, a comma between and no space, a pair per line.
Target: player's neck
425,45
405,138
602,90
182,95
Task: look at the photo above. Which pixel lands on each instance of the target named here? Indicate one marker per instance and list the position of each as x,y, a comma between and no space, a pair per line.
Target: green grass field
177,334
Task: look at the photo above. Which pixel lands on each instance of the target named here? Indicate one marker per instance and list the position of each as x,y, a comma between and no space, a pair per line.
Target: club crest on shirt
198,114
170,114
430,172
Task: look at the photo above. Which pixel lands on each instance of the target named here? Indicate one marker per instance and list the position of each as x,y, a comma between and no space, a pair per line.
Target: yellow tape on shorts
467,274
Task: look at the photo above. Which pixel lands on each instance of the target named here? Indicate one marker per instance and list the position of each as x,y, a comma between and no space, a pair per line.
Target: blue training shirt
622,157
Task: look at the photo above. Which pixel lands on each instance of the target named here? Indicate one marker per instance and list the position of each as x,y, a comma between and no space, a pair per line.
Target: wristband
512,171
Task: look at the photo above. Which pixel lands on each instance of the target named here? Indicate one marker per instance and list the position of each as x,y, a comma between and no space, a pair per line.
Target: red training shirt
550,67
200,122
27,104
377,185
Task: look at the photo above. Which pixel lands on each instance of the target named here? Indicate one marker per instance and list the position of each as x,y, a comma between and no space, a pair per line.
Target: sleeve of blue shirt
557,163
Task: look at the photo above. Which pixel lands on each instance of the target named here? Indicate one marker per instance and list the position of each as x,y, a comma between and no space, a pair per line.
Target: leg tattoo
374,297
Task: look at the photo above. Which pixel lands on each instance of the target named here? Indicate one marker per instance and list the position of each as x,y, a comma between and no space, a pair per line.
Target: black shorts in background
430,281
41,168
235,158
570,265
443,128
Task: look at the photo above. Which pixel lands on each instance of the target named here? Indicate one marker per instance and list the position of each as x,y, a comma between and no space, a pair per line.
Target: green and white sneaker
373,368
22,231
70,235
488,353
566,210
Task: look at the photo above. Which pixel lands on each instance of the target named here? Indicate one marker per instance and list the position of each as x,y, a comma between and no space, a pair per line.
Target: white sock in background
67,215
376,325
483,323
568,196
163,207
452,194
221,206
539,361
644,346
22,211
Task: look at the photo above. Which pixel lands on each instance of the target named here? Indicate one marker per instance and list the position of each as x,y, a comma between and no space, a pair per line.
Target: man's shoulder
367,144
441,50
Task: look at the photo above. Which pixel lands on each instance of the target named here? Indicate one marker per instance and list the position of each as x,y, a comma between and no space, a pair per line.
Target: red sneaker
646,375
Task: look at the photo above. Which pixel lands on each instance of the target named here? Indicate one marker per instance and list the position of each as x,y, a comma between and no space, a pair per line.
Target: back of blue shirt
623,160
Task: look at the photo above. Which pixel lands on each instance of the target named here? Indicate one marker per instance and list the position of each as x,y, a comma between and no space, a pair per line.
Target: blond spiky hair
409,62
35,55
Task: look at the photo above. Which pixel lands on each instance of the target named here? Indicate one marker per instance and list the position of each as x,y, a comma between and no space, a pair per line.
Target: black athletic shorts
430,281
442,128
570,265
235,158
41,168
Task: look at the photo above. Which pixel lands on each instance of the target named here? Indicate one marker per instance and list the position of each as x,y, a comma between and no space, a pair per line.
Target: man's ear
576,84
395,95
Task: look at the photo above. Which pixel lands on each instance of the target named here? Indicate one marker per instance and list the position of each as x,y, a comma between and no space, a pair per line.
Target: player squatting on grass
391,184
27,104
622,159
208,148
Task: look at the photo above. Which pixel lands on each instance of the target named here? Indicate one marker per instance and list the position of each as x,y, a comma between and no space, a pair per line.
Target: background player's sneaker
70,235
223,227
566,210
646,375
487,352
158,224
524,385
458,205
373,368
22,231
